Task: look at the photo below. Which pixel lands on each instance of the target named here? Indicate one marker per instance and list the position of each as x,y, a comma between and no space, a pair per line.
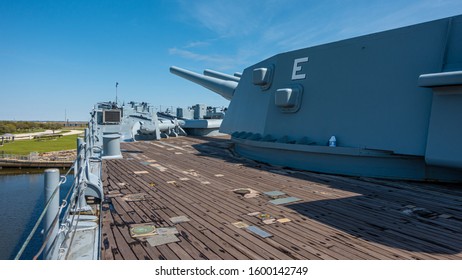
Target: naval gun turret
221,86
385,105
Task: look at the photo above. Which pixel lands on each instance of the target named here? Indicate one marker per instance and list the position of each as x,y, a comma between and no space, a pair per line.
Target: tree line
26,126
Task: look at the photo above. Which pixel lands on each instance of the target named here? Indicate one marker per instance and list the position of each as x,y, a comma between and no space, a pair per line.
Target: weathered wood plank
337,217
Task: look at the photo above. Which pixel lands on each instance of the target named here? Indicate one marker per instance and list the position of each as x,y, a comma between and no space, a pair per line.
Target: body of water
21,203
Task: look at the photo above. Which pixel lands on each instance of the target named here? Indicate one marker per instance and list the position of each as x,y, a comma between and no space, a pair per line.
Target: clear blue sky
58,56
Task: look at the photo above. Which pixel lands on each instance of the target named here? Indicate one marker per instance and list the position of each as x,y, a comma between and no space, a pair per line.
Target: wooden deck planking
216,213
338,217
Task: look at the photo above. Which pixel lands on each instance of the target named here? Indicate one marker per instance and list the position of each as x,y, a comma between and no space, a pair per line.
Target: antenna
117,84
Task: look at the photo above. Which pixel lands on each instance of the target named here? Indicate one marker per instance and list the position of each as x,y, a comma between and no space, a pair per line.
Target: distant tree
2,128
22,126
7,127
54,126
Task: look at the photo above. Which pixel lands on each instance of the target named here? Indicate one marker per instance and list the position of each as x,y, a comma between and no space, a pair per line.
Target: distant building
73,124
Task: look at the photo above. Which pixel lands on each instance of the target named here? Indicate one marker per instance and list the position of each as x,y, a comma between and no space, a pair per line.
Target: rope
48,234
31,234
76,199
56,218
37,224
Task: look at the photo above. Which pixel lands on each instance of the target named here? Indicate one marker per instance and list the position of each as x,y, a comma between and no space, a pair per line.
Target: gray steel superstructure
391,100
134,121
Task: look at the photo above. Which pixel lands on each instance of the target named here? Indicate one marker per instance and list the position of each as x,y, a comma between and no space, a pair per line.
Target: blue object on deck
258,231
284,200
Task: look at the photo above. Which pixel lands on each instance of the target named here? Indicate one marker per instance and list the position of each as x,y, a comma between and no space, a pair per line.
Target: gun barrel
220,86
218,75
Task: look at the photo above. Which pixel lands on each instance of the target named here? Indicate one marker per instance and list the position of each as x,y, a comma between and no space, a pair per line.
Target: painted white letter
297,68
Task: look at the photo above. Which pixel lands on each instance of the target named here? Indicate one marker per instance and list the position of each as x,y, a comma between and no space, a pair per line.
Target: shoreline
25,171
58,159
19,164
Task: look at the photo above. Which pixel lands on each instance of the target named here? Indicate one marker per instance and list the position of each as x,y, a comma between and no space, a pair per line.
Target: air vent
111,116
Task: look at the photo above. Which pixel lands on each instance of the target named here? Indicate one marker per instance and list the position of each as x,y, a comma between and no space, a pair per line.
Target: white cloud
245,31
226,18
196,44
221,62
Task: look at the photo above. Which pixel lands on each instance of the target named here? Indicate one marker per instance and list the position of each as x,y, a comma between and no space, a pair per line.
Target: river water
21,203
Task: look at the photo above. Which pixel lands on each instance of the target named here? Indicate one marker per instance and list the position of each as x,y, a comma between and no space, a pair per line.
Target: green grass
24,147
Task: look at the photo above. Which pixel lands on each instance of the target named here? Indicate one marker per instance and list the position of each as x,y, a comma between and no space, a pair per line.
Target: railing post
88,146
92,126
51,183
78,161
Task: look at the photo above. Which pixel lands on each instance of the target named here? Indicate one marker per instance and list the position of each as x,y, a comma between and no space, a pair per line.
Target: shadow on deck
413,216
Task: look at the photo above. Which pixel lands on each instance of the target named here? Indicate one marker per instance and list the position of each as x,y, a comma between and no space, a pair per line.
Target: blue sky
64,56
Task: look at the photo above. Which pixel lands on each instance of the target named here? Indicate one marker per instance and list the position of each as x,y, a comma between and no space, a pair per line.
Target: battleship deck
336,217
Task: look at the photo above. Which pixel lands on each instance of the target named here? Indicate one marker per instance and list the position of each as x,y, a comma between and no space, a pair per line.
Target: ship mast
117,84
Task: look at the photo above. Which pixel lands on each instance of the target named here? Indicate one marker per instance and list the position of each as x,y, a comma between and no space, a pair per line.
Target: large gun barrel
219,75
222,87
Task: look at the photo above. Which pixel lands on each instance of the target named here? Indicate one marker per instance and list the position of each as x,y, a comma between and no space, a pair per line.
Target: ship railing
58,233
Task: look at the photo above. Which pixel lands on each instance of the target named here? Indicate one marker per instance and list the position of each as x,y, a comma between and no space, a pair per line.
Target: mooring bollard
51,183
111,146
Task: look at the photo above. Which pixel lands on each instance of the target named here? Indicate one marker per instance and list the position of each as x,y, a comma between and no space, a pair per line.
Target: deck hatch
141,230
284,200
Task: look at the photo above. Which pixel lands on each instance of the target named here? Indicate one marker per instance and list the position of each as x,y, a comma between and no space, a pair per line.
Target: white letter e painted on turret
297,68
